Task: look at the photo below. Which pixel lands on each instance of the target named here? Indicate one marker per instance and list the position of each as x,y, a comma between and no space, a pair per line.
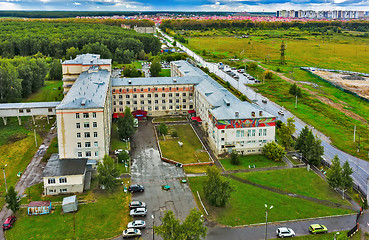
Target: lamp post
335,235
6,186
153,224
266,220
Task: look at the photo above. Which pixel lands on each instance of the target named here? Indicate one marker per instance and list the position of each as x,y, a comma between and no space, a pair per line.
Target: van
135,122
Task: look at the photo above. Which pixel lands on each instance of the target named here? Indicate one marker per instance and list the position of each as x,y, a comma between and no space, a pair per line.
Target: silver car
138,212
131,232
137,224
285,232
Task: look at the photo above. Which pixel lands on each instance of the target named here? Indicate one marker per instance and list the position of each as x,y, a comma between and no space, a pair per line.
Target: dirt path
328,101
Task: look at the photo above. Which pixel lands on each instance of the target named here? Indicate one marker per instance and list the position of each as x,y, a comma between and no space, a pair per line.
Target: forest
316,26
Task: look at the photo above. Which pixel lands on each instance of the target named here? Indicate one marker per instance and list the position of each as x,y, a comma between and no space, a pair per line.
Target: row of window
28,110
88,154
149,102
250,133
87,135
122,90
61,190
87,144
149,95
61,180
86,115
86,125
177,107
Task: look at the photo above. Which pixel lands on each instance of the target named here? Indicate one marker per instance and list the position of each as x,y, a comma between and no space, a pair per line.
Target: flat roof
88,91
117,82
88,59
188,69
64,167
4,106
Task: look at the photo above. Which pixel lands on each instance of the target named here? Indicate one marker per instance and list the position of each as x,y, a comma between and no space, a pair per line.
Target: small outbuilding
39,207
70,204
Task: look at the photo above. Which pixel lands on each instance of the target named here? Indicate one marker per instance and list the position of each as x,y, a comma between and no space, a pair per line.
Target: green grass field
246,205
115,142
260,161
169,119
329,236
190,152
195,169
105,217
295,180
164,73
51,92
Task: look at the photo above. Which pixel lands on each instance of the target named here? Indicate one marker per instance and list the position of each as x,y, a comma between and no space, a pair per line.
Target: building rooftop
187,69
88,59
64,167
68,200
88,91
116,82
28,105
39,203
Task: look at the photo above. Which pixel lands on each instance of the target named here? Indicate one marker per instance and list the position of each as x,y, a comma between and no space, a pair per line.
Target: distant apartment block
310,14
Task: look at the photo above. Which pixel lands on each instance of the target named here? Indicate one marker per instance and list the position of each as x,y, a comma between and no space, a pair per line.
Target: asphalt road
148,169
360,167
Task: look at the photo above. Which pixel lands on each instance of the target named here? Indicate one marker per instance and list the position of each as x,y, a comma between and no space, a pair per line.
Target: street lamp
153,224
335,235
266,220
6,186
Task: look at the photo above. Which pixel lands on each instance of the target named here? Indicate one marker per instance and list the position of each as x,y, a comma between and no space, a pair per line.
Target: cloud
77,3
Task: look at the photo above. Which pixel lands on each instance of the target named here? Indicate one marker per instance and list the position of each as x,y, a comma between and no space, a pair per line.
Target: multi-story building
336,14
84,116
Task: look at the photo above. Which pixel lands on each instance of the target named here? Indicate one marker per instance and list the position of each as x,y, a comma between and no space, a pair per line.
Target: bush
235,160
174,134
252,66
268,74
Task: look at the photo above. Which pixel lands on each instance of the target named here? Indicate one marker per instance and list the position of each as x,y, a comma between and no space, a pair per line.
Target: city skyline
181,5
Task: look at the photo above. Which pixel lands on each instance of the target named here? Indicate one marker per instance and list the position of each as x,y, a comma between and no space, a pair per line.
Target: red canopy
117,115
191,111
198,119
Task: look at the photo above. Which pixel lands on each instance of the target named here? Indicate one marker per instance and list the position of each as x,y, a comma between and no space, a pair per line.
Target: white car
116,152
281,112
285,232
131,232
137,224
138,212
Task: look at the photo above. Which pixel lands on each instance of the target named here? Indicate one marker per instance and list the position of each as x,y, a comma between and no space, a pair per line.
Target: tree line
54,38
188,24
22,76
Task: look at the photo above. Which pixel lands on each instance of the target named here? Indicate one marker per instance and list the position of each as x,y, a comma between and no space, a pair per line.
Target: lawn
192,149
105,217
295,180
260,161
164,73
115,142
195,169
53,148
294,160
51,92
169,119
329,236
246,205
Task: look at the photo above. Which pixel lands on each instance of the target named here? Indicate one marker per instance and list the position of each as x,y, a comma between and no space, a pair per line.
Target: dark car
137,204
136,188
9,222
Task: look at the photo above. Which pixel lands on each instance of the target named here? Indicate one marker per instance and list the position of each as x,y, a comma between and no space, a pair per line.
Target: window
87,134
78,125
149,90
264,132
149,95
249,133
88,154
79,145
94,124
113,96
184,100
184,88
177,94
86,125
177,100
77,114
121,102
184,106
78,135
142,102
85,115
52,190
49,109
87,144
170,107
190,94
242,133
134,102
170,100
127,96
134,89
120,96
156,108
238,133
170,89
51,180
95,134
114,103
96,153
142,89
128,102
141,95
63,180
222,139
163,101
191,106
79,154
163,88
63,190
222,131
156,101
21,111
163,108
134,95
149,101
163,94
28,110
253,132
184,94
260,132
170,95
156,95
96,144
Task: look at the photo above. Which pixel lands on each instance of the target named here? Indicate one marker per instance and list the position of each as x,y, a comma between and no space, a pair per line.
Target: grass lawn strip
169,119
246,205
195,169
260,161
115,142
51,92
192,150
295,180
105,218
328,236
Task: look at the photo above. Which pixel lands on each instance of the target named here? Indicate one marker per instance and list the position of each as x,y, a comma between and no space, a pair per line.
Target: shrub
252,66
268,74
235,160
174,134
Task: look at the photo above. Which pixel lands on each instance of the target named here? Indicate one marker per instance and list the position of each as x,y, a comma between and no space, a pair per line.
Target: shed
39,207
70,204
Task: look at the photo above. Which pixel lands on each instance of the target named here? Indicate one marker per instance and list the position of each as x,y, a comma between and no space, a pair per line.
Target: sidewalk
31,176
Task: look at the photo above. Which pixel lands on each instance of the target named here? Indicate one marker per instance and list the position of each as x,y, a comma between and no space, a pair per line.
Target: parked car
264,100
137,204
240,70
9,222
285,232
236,77
136,188
281,112
131,232
317,228
137,224
138,212
228,71
116,152
233,68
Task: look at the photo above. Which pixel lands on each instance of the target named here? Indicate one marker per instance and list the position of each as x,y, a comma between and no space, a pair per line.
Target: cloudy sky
184,5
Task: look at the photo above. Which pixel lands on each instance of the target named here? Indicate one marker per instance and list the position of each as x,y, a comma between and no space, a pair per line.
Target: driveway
148,169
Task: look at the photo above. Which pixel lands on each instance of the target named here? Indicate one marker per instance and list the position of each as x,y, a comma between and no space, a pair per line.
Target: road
360,167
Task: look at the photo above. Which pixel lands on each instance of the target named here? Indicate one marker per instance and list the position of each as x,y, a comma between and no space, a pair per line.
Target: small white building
62,176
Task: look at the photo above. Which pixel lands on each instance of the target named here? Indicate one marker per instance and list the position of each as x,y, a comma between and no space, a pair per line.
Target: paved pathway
31,176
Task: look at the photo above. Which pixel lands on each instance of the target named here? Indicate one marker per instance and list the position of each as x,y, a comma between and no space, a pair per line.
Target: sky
184,5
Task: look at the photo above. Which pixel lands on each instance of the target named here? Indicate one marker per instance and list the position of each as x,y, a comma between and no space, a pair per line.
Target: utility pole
296,103
354,132
34,130
266,220
6,186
